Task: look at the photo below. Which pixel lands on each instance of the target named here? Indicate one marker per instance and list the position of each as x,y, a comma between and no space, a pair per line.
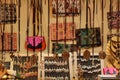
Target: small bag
113,19
110,71
35,42
6,9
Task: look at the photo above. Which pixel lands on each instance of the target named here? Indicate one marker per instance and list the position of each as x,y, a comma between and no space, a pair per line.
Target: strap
73,21
87,19
28,21
11,27
102,42
34,22
56,25
19,5
73,61
48,27
80,7
40,12
118,53
65,23
93,32
38,18
110,10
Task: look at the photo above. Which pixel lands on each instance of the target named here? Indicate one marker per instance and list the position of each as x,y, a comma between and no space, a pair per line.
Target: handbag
35,42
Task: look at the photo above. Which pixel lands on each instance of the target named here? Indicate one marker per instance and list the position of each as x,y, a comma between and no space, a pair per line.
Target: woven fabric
85,37
68,5
7,13
61,33
8,41
113,19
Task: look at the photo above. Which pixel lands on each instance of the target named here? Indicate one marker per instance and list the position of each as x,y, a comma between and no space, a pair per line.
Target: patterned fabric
7,42
7,13
69,5
113,19
59,48
60,33
85,40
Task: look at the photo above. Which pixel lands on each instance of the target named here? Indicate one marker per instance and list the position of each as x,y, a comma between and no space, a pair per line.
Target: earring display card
58,34
91,68
7,13
25,68
71,6
56,69
85,37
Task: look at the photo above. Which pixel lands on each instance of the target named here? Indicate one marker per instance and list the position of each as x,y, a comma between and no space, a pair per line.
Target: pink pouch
109,70
38,39
36,43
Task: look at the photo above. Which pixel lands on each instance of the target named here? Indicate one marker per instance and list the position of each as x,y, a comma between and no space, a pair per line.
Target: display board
91,68
56,69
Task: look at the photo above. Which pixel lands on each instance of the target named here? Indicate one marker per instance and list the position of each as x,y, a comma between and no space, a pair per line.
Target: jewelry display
25,69
56,69
90,71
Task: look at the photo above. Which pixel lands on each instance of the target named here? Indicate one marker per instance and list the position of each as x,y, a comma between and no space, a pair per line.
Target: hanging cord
3,33
97,6
73,3
93,32
40,10
111,10
55,52
102,25
86,53
102,54
65,24
34,23
79,47
65,53
11,14
56,43
87,21
19,6
28,26
89,11
118,49
48,27
87,17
